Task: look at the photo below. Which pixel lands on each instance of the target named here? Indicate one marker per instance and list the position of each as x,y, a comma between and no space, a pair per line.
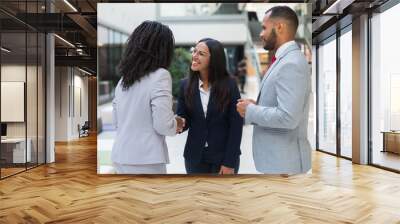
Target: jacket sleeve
114,113
114,107
292,89
182,109
232,150
161,105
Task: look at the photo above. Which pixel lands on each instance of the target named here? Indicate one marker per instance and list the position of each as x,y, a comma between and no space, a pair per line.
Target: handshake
180,124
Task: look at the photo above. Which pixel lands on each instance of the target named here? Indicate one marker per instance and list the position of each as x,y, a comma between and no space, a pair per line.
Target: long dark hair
218,76
150,46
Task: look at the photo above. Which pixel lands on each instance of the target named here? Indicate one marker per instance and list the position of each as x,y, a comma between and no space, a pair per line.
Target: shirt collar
201,83
283,48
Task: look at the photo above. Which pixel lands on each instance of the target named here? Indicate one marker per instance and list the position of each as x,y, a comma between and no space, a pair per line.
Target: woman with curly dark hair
142,106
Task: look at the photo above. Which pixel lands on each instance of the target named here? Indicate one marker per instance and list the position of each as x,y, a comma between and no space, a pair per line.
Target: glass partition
15,151
22,87
385,89
346,94
327,96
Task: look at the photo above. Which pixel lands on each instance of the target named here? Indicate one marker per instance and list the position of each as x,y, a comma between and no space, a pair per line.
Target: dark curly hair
150,47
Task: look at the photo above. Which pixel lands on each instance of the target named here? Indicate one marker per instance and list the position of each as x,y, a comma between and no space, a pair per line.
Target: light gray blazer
143,116
280,144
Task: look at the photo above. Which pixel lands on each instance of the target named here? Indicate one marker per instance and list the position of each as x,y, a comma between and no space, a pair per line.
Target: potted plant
179,69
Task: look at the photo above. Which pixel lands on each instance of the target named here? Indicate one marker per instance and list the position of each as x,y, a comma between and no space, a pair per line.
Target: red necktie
273,59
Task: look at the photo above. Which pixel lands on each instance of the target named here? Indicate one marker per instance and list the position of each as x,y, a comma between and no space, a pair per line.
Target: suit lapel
269,71
210,104
199,105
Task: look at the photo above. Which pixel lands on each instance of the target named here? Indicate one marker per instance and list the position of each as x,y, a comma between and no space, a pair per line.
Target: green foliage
179,68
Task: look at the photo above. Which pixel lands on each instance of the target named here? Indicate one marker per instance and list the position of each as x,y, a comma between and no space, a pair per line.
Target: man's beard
270,43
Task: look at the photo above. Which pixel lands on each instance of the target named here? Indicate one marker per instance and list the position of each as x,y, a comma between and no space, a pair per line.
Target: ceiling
330,15
74,22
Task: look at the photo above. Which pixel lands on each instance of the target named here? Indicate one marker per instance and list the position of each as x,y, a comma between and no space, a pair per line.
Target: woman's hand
242,104
180,124
226,170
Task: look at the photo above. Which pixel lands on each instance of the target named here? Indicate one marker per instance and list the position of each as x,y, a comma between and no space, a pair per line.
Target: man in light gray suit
280,115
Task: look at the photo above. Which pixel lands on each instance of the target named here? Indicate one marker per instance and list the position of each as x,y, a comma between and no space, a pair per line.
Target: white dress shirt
204,97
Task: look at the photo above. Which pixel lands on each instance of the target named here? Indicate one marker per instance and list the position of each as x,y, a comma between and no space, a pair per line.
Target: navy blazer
221,130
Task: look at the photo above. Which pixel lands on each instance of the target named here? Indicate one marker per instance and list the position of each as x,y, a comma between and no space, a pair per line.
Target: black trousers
206,165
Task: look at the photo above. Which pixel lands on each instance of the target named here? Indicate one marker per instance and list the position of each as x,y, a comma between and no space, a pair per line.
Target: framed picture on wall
12,101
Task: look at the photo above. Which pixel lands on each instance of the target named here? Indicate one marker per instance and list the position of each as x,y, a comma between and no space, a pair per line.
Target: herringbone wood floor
70,191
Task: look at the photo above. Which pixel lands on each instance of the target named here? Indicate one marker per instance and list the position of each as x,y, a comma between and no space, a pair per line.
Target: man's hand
226,170
242,104
180,121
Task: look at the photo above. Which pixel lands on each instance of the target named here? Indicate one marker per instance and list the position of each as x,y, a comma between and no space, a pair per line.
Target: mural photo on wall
203,88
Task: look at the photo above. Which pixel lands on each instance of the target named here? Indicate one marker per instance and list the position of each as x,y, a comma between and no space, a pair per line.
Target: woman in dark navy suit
208,101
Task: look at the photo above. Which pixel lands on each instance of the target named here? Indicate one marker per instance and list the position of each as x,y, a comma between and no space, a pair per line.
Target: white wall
61,103
13,73
80,89
12,100
33,126
70,83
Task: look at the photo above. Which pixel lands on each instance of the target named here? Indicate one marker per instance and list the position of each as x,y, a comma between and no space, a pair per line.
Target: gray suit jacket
280,118
143,116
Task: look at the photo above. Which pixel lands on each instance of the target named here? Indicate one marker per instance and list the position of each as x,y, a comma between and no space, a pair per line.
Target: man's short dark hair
286,13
